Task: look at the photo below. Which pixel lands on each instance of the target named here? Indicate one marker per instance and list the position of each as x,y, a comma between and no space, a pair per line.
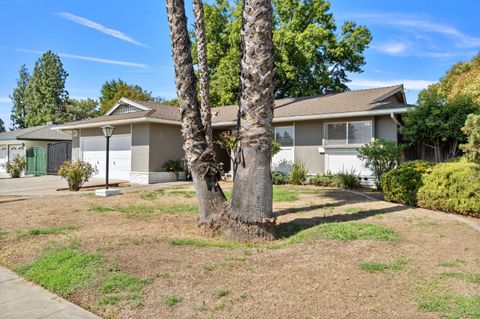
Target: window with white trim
284,135
345,133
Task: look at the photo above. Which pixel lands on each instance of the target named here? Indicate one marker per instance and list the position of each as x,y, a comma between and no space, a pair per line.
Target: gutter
392,115
116,122
327,116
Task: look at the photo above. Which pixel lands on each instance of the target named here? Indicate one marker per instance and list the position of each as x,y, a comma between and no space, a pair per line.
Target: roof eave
325,116
116,122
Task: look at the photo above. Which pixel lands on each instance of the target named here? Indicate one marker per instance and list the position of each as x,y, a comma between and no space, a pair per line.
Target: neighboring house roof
42,133
376,101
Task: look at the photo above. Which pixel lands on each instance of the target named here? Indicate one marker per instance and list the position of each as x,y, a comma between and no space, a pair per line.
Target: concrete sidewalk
20,299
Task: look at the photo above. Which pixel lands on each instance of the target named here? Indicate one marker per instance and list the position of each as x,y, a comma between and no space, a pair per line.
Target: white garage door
337,161
93,152
3,158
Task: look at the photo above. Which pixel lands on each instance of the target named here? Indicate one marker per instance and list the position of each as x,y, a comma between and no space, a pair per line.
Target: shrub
15,166
349,179
380,156
401,184
452,188
328,180
76,173
276,147
279,178
472,130
298,174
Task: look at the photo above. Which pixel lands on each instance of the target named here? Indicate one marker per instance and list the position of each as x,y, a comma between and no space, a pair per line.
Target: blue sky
414,42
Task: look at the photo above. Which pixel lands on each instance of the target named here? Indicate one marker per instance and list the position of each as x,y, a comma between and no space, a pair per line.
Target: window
284,136
125,109
348,133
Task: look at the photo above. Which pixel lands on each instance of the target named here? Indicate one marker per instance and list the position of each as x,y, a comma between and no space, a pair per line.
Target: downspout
392,115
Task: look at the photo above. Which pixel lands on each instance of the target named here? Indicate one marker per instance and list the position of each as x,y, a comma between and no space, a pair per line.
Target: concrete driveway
37,185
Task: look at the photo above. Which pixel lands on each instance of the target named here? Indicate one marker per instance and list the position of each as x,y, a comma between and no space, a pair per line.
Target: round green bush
279,178
453,188
401,184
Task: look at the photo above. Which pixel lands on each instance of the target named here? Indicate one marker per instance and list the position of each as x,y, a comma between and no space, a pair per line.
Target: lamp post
107,132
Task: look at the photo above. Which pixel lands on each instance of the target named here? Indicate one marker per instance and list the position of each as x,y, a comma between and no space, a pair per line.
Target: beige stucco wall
386,128
140,147
166,143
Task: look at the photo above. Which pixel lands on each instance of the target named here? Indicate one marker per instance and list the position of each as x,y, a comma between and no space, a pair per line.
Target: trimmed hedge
401,184
453,188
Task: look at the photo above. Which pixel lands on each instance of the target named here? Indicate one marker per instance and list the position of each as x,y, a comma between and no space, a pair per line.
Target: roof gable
125,105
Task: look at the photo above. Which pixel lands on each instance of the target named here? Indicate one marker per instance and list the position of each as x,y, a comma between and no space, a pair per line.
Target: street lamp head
107,130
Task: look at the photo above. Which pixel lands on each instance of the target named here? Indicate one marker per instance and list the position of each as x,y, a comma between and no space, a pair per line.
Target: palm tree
199,156
201,39
250,215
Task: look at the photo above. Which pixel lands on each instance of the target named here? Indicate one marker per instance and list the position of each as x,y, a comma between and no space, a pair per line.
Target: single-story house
43,147
324,132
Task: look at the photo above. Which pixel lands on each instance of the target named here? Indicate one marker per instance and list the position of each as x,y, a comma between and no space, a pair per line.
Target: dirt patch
321,278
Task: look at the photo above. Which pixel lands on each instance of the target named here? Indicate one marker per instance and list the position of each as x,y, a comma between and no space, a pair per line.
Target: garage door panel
93,152
339,161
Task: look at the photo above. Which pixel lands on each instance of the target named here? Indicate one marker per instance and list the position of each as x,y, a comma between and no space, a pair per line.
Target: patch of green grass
172,300
452,264
280,194
149,195
209,268
104,248
398,264
63,270
108,300
219,293
101,209
183,193
469,277
220,307
120,282
344,231
46,231
3,234
452,306
161,274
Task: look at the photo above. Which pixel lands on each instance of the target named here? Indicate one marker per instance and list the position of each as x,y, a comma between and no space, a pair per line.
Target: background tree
2,126
205,172
311,56
45,94
472,130
18,116
114,90
81,109
437,122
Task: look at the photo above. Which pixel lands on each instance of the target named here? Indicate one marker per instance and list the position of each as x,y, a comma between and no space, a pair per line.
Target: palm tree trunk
201,38
204,169
249,214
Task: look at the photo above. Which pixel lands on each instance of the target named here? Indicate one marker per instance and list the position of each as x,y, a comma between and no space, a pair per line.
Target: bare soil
319,279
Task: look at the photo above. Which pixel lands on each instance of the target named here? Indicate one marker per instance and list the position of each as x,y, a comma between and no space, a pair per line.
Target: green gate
36,161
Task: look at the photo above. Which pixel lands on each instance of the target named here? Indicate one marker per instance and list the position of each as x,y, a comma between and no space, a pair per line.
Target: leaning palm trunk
201,37
249,215
204,170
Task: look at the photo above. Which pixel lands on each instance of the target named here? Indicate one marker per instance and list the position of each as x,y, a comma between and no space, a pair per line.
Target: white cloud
419,24
392,47
409,84
5,99
99,27
89,58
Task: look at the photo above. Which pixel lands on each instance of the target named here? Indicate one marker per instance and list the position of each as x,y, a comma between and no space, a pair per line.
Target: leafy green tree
437,122
2,126
114,90
311,56
81,109
18,116
472,130
380,156
45,94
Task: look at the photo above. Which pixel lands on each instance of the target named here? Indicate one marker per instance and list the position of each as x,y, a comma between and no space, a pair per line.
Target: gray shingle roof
44,132
353,101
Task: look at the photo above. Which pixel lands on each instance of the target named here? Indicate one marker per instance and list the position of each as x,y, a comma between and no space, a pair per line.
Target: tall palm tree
250,214
201,39
204,169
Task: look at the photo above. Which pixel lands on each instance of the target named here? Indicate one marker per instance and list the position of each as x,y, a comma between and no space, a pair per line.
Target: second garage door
93,152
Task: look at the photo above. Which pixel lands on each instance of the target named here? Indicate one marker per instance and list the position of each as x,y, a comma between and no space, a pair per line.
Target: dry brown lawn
318,278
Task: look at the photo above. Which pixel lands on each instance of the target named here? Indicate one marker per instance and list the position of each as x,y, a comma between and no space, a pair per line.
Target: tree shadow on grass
290,228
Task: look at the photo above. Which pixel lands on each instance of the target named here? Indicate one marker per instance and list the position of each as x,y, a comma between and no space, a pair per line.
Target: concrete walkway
20,299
